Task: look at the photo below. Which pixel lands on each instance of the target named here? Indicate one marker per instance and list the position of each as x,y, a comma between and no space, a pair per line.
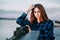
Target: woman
38,21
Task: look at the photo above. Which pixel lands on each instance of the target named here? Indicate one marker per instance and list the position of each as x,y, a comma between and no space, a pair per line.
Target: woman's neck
39,20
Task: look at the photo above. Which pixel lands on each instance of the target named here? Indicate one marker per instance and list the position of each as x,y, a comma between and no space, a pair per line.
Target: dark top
45,28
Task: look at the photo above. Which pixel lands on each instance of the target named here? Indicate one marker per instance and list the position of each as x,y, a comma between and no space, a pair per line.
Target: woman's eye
34,12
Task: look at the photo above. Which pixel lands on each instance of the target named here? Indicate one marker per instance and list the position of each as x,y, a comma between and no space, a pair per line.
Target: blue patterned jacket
45,28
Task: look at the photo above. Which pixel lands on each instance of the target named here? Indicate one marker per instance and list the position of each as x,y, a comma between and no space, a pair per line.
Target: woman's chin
38,17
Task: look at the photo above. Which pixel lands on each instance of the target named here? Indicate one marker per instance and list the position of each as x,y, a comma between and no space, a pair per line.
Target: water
7,27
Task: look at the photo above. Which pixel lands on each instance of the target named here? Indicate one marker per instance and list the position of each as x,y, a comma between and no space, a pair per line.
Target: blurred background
10,10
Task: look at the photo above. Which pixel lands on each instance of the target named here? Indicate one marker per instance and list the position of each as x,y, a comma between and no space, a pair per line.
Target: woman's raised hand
29,9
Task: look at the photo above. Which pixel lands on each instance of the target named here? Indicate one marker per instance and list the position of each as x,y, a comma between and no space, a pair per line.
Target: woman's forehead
36,9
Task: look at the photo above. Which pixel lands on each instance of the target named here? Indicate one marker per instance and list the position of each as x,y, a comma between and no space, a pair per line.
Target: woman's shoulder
49,22
46,21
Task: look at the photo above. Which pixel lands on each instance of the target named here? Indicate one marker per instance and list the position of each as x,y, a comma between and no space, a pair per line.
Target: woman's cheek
35,14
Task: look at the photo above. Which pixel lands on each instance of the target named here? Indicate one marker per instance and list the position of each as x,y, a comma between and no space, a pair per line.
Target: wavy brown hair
43,13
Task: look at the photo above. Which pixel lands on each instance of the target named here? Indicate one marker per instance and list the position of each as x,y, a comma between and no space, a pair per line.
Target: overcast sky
52,5
23,4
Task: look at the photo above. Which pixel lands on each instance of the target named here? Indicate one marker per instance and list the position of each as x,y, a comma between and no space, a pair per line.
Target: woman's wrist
27,11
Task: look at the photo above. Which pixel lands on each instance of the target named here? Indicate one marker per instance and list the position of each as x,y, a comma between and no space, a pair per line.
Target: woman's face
37,13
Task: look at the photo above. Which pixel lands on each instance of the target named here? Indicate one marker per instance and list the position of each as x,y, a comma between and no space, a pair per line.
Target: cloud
52,5
23,4
54,15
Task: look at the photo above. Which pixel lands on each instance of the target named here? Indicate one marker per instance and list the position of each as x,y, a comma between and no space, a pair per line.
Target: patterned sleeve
49,27
48,31
21,20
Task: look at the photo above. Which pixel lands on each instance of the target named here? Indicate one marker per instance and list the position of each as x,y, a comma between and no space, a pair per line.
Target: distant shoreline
8,18
16,18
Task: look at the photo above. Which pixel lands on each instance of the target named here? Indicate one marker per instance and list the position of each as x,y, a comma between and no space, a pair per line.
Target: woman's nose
37,13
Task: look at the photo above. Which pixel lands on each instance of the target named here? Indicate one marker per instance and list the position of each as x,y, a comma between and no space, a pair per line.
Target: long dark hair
43,13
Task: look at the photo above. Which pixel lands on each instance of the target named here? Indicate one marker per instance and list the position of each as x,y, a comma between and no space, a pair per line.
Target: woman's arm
48,30
21,20
29,9
49,26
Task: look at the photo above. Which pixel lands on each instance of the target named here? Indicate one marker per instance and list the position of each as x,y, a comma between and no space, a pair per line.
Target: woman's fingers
29,9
